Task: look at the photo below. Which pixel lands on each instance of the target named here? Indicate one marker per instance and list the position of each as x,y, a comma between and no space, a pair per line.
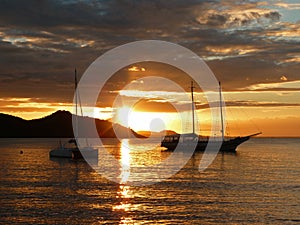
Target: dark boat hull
226,146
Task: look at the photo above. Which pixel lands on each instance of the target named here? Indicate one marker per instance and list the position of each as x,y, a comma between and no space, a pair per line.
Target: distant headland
57,125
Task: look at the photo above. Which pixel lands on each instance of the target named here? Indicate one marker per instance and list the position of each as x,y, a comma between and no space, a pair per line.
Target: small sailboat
228,145
71,148
67,150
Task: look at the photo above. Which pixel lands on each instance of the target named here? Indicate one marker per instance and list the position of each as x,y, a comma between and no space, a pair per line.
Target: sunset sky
252,47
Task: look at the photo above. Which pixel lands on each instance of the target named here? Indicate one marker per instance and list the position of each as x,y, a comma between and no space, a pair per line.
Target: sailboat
170,142
71,148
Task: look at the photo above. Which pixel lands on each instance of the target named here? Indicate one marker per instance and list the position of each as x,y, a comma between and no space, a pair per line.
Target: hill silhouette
163,133
59,125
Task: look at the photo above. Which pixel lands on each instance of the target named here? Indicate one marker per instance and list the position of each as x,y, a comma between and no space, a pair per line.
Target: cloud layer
41,42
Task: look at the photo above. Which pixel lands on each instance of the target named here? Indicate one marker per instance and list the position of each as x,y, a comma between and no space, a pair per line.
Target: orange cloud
136,69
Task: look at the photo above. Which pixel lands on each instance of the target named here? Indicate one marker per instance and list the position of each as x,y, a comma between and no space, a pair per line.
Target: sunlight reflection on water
258,185
125,161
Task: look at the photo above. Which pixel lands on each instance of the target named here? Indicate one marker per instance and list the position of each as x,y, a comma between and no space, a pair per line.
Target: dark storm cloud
47,13
104,14
41,42
219,19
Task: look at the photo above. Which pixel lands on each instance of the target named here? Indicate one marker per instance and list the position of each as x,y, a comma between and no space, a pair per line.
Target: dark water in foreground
258,185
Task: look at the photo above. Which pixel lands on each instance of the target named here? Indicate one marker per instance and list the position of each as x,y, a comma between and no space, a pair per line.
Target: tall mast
193,107
77,96
221,111
78,100
75,92
76,116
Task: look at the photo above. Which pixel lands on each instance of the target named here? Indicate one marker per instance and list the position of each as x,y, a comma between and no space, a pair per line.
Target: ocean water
258,185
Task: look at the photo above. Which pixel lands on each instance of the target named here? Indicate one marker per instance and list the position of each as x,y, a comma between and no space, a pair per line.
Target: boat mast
75,92
76,99
77,96
193,106
221,111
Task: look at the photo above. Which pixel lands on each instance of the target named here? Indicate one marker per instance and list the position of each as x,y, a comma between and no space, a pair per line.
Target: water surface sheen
258,185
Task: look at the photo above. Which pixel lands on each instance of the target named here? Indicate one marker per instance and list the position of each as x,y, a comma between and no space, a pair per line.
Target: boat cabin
175,138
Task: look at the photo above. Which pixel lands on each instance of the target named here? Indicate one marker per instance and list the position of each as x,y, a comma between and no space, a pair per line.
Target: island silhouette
58,125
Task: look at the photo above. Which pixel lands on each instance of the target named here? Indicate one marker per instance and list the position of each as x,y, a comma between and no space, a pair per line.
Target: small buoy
21,152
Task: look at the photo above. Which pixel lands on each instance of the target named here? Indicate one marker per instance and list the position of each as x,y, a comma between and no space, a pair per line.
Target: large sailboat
199,143
71,148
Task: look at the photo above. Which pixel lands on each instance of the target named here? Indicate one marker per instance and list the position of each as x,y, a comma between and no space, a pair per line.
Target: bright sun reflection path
124,205
123,193
125,161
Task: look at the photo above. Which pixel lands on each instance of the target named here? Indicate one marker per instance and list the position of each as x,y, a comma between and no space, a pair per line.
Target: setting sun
143,121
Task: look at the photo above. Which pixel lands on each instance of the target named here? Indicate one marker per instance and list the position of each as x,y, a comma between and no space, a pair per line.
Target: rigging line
251,120
221,110
241,111
235,126
193,106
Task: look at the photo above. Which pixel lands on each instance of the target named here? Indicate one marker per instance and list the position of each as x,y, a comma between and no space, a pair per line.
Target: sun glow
147,121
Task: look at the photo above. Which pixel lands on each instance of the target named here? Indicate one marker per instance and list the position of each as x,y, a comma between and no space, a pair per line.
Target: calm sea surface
258,185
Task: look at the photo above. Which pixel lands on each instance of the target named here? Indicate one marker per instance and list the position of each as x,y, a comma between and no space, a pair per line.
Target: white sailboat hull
62,152
74,153
66,151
